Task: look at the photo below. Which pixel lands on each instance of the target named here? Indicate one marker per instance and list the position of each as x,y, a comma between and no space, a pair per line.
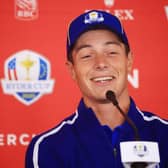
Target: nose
101,62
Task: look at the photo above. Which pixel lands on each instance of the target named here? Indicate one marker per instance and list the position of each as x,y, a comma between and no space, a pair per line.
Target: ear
71,70
130,61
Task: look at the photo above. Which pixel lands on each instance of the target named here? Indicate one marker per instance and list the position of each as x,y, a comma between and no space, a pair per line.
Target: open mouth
103,79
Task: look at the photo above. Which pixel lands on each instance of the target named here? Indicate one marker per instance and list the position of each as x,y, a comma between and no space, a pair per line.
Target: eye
112,53
85,56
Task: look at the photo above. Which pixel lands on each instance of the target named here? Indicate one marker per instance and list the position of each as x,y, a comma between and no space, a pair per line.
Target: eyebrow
113,43
82,46
106,43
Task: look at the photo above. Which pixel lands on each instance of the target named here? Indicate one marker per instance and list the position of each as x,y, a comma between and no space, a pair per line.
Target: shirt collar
133,114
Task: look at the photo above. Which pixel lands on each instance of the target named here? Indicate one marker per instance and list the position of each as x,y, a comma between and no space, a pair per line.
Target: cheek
123,70
78,73
74,73
82,75
126,66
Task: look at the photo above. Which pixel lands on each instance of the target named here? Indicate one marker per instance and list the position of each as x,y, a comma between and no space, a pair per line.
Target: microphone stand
110,95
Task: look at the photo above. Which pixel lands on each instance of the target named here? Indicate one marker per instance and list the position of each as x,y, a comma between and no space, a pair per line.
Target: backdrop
36,91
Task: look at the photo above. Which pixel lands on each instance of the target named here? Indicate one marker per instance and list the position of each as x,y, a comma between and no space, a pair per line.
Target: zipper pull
115,152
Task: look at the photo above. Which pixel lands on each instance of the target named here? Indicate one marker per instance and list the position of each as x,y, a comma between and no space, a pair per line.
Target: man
99,59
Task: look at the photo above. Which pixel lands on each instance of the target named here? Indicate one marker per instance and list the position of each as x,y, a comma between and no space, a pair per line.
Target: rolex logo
109,3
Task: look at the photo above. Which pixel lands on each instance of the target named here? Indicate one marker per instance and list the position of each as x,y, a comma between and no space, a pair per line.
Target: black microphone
110,95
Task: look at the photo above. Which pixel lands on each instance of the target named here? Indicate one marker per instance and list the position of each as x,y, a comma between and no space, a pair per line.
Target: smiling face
100,63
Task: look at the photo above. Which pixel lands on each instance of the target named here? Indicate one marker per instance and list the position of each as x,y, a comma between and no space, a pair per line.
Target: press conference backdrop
36,90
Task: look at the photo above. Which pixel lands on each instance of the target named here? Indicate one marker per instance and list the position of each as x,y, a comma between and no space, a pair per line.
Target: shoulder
150,117
158,129
154,124
54,141
62,131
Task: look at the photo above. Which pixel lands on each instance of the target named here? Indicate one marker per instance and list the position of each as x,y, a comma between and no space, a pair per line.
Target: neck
107,113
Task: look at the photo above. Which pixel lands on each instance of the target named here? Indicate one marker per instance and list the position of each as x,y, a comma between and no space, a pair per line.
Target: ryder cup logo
26,9
27,76
93,17
140,150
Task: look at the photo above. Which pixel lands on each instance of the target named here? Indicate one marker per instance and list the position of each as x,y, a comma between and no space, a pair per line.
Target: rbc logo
27,76
26,9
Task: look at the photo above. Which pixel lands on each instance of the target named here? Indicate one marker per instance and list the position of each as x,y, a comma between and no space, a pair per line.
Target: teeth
102,79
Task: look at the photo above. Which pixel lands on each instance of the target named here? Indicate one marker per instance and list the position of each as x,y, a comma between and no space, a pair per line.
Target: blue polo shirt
80,141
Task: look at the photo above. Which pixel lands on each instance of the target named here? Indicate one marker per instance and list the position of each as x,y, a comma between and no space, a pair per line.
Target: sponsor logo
26,9
140,150
27,76
13,139
93,17
166,11
122,14
109,3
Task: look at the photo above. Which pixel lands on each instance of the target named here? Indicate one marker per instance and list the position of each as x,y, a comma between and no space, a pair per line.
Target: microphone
110,95
135,154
